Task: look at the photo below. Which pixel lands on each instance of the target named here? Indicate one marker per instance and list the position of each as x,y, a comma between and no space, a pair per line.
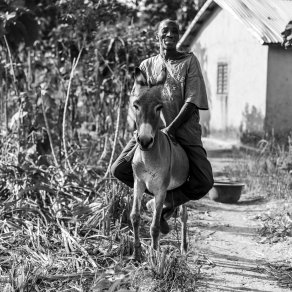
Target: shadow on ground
231,266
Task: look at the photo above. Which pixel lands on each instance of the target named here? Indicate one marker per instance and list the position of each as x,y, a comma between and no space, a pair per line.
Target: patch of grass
276,225
166,271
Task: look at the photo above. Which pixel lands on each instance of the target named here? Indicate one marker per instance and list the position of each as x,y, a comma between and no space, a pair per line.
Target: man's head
168,34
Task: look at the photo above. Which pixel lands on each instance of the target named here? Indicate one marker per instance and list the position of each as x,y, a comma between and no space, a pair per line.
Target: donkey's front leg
155,225
139,188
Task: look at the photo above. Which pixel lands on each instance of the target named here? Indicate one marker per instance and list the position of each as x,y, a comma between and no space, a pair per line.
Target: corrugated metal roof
265,19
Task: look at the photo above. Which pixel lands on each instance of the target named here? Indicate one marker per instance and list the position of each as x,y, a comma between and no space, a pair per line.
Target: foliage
252,119
152,12
251,138
276,225
102,78
18,23
287,36
251,127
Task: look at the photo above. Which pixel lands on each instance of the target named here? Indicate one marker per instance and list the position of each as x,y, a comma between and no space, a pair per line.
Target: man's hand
170,132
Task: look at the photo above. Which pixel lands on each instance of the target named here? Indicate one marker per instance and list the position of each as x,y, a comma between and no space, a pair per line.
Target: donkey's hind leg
139,188
184,219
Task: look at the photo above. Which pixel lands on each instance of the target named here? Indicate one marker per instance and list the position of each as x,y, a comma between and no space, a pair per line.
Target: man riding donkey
183,94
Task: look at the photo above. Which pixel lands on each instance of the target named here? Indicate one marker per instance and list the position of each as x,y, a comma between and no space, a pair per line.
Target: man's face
168,35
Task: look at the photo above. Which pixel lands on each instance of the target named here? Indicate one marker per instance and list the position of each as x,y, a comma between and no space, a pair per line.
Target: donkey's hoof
164,227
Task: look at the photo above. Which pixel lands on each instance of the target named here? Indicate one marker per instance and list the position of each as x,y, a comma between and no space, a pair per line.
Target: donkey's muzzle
145,142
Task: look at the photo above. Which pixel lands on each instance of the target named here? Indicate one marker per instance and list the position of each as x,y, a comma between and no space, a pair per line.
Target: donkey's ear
140,78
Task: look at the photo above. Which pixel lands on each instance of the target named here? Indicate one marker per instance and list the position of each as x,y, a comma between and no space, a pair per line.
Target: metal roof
265,19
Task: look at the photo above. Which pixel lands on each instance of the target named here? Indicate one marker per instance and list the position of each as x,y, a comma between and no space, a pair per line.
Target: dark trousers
200,179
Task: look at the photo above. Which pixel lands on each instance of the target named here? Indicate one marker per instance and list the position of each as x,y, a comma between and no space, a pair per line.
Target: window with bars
222,78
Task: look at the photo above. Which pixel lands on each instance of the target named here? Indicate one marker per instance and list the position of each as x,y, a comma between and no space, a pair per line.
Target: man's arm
184,115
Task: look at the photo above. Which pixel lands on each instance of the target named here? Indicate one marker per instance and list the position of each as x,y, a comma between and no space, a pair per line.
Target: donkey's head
147,107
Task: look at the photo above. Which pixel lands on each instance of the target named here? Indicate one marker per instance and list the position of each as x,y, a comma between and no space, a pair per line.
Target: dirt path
224,238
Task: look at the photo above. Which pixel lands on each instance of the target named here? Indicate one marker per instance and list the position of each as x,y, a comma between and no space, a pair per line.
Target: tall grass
58,228
264,172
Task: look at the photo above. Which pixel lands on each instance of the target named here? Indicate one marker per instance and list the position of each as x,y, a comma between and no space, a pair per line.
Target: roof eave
270,37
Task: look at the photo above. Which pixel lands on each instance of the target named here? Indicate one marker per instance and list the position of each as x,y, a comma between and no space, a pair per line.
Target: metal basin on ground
226,192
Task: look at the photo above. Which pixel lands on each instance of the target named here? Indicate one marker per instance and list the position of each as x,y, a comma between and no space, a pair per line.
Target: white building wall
224,38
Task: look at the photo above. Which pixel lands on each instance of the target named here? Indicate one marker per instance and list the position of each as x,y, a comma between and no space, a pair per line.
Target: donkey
158,164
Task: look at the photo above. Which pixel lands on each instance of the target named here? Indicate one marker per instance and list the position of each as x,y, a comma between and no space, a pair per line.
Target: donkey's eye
135,107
